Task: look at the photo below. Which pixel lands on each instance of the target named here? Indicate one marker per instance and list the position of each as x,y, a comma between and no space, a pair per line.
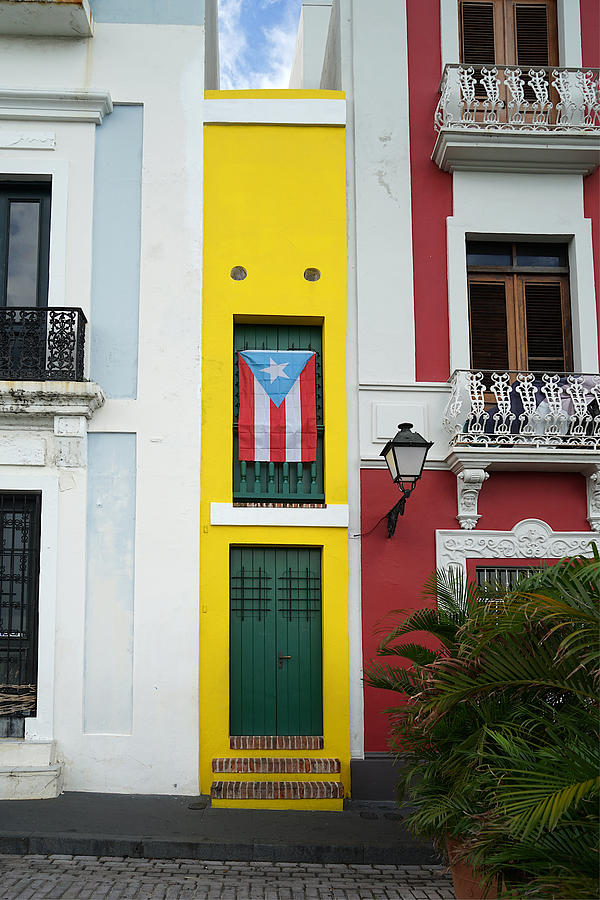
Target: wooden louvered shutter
489,323
548,331
531,33
478,33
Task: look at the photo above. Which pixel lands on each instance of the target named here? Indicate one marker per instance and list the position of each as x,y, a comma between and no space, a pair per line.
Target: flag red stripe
278,432
246,412
308,406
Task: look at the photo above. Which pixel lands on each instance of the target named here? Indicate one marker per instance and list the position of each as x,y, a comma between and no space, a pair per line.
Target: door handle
281,659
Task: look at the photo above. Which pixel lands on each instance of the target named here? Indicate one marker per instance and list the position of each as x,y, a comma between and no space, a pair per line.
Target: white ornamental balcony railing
524,409
507,119
508,98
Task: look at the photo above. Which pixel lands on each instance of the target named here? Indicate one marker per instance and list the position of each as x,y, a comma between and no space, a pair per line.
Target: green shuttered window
278,482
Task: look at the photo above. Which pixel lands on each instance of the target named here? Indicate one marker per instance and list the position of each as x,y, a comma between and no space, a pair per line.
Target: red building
472,152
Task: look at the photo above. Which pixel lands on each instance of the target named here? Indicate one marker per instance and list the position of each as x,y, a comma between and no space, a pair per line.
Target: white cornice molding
522,459
55,106
50,398
520,152
305,111
335,515
529,539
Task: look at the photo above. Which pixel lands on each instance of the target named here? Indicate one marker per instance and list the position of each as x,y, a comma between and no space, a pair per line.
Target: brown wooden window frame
515,279
505,30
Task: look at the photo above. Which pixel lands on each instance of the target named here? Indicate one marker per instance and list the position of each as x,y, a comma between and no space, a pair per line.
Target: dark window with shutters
489,336
508,32
531,35
519,307
477,30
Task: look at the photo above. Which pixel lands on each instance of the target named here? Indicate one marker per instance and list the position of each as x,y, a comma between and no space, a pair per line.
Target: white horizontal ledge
333,516
55,106
275,112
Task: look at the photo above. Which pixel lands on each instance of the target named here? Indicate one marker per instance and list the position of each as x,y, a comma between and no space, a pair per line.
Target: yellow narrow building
274,705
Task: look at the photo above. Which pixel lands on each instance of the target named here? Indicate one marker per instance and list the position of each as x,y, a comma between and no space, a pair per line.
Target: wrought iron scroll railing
42,343
509,98
524,409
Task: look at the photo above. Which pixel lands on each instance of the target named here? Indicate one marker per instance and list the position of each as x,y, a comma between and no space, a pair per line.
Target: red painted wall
590,51
394,570
431,194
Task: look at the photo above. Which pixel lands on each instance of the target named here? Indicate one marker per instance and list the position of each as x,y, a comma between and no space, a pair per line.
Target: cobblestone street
83,877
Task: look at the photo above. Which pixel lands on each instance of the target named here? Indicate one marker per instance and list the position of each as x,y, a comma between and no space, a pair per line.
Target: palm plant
500,741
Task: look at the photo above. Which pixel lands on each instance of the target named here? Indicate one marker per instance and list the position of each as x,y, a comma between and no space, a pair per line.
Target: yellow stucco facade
275,204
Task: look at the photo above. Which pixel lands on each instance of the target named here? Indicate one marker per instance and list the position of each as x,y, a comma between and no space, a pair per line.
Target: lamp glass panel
391,461
409,461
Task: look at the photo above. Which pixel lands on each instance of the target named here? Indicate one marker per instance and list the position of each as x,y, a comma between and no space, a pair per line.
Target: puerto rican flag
277,419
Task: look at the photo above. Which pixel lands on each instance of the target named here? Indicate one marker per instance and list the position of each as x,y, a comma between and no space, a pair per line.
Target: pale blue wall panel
116,252
108,640
149,12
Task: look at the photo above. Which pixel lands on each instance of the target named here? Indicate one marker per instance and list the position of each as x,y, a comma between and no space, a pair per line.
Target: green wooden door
275,641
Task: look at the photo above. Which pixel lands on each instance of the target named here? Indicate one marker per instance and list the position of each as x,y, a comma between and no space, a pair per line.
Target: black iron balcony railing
41,343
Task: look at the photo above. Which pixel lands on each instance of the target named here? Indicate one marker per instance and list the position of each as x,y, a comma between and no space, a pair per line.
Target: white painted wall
496,206
161,67
309,52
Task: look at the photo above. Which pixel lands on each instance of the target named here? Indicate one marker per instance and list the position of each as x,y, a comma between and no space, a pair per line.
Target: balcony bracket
593,497
468,484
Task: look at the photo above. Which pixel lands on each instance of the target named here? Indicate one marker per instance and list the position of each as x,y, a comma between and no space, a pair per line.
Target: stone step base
30,782
277,790
276,765
26,753
275,742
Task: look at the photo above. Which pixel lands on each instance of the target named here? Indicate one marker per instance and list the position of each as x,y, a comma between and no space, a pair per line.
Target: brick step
277,790
275,742
275,765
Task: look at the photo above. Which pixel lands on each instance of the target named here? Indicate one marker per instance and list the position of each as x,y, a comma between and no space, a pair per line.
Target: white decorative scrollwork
551,410
593,498
505,107
590,91
529,539
493,104
538,82
517,106
468,103
469,483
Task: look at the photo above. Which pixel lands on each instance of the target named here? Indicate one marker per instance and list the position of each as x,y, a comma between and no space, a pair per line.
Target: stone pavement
113,878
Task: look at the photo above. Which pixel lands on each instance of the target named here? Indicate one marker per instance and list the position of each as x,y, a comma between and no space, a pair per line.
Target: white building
101,216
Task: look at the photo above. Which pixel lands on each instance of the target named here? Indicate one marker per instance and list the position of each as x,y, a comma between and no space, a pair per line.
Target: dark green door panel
275,641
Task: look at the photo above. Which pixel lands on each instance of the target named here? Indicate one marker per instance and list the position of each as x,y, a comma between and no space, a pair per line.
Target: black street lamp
405,457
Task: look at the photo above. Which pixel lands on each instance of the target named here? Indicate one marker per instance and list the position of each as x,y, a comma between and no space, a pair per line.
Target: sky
257,39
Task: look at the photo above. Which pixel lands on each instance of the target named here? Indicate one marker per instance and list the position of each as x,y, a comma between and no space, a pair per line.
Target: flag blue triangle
283,368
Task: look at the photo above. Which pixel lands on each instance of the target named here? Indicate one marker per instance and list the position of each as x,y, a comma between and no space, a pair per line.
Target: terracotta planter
466,880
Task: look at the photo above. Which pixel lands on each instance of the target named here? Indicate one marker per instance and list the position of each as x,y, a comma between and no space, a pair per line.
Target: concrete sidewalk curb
156,848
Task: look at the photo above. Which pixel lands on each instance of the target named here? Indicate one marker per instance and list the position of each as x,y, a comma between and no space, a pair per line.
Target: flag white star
275,370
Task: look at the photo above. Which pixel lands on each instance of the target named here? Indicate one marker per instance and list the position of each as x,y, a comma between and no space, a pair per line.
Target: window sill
332,516
69,18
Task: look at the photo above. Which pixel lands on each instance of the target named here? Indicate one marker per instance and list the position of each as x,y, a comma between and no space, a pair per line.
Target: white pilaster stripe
293,423
262,423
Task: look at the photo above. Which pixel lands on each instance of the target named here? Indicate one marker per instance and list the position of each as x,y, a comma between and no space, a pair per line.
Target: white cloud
264,65
280,52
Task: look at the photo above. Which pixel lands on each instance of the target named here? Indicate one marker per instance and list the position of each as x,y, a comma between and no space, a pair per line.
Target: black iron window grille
19,580
300,594
42,343
250,593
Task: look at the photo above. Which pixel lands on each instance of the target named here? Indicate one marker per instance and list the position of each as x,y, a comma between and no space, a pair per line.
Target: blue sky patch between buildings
257,39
